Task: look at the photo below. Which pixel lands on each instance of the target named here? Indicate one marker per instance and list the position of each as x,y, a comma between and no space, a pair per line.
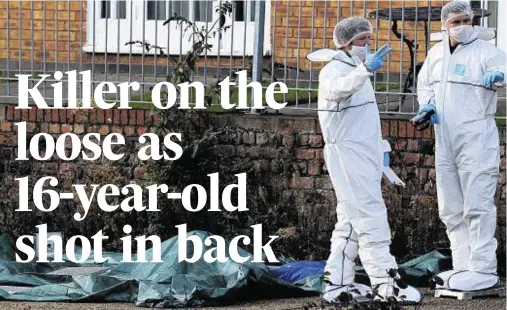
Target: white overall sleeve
338,87
425,93
497,63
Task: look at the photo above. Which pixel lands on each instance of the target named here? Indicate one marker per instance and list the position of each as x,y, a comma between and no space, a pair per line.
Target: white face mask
358,51
461,33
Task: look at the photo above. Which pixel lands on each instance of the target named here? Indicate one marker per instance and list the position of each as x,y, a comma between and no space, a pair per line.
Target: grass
502,120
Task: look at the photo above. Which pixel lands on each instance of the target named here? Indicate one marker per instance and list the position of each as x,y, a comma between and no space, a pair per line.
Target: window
497,8
121,21
242,11
488,21
120,9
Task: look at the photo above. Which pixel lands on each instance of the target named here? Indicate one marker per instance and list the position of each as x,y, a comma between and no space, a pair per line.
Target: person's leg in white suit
362,228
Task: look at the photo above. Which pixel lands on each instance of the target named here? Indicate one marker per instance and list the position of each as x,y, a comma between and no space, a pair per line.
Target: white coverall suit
467,153
353,153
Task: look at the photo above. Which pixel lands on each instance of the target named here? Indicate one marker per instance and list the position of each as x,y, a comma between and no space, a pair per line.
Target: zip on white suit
353,151
466,154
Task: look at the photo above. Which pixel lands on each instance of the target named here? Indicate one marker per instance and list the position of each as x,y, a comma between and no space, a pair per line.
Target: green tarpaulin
166,284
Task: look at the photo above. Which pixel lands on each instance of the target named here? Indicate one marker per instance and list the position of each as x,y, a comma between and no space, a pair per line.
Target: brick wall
57,31
51,27
295,188
317,19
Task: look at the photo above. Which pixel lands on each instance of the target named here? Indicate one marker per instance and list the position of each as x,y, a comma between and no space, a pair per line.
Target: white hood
482,33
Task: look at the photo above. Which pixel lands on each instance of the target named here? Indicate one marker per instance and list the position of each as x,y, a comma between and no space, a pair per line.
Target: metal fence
269,39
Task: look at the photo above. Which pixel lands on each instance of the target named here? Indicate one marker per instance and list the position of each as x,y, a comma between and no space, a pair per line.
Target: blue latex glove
387,159
375,61
491,77
434,118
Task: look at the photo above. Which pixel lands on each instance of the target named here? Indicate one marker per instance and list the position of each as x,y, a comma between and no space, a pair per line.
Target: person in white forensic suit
354,156
457,81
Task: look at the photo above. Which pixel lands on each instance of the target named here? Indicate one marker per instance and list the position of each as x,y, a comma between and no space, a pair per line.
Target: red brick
63,115
410,130
3,139
70,116
141,130
44,128
385,129
81,116
304,125
319,154
140,117
270,152
316,141
30,127
323,183
302,182
305,154
411,158
429,161
6,126
25,115
10,112
393,126
432,174
303,140
129,131
427,133
314,168
17,114
40,115
413,145
109,116
116,117
55,115
401,145
104,130
318,129
288,141
79,129
92,118
54,128
32,114
117,129
100,116
261,138
92,129
402,130
124,117
132,117
66,128
418,134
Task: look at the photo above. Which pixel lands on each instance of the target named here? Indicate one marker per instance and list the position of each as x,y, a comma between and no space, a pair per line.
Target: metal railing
42,37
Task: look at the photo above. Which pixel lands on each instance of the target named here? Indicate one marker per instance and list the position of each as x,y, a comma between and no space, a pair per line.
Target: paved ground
429,303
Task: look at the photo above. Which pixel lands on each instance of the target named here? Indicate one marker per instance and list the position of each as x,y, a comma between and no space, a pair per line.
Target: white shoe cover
466,281
409,295
356,290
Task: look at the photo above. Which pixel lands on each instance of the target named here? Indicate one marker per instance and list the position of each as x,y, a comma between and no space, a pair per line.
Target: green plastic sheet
169,283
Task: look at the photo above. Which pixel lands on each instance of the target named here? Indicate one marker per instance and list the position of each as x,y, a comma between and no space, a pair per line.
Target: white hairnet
349,28
455,8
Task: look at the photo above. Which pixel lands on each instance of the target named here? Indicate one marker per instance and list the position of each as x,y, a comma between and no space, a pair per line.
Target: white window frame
132,28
